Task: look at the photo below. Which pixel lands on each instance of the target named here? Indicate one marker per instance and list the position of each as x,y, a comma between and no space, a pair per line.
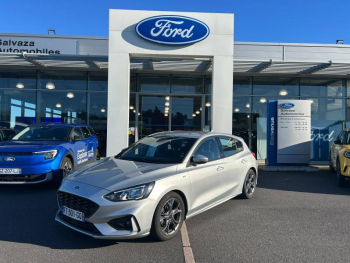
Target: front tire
249,185
340,178
66,167
168,217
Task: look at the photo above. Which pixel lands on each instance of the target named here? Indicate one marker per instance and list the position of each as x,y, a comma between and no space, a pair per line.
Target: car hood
27,146
114,174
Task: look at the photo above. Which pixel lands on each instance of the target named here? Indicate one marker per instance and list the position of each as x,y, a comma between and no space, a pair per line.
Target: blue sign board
172,30
272,132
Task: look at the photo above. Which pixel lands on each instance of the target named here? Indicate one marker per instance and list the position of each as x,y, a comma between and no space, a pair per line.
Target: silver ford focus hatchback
155,184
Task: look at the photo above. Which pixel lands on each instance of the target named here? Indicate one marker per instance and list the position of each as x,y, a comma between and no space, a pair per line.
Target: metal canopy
174,64
45,61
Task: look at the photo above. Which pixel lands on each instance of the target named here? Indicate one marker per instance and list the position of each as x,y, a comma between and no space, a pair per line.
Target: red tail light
254,155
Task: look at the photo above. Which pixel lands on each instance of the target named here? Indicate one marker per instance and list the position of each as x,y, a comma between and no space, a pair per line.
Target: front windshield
158,150
38,133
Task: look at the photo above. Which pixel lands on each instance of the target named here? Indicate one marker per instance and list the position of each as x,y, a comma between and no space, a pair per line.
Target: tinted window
158,150
86,133
8,133
208,148
43,134
230,146
77,132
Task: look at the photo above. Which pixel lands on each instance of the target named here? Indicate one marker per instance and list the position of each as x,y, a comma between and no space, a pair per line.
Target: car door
79,146
235,164
91,145
336,147
207,180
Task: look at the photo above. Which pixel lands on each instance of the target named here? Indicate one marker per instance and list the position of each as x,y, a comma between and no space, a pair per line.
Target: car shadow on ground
322,182
27,216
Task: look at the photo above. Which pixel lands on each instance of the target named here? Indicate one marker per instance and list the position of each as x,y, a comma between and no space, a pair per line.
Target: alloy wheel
250,184
170,216
67,168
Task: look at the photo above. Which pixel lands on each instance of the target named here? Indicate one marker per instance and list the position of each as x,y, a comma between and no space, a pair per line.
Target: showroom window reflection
34,96
328,109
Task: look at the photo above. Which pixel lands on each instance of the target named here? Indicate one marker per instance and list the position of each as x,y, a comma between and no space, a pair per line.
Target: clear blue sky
294,21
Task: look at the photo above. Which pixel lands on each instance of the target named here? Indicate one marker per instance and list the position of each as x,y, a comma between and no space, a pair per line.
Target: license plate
73,213
10,170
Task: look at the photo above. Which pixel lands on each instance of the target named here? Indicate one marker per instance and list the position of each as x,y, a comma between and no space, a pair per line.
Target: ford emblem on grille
10,159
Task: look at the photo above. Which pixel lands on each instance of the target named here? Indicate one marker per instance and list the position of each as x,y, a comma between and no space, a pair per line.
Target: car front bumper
27,178
98,225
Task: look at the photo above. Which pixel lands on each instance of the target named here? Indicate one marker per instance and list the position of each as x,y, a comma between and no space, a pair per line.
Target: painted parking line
188,253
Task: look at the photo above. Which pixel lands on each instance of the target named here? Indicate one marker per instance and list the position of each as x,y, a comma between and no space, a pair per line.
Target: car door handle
220,168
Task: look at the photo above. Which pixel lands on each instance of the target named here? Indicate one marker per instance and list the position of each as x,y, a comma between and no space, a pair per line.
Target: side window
86,132
230,146
76,132
208,148
91,131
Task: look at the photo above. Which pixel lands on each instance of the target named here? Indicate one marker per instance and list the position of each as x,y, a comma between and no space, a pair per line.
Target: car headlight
133,193
347,154
47,154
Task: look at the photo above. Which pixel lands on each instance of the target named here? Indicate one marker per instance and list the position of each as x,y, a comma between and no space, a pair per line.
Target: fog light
121,223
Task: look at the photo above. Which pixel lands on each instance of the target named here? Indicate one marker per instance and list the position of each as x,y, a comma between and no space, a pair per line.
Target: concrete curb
288,168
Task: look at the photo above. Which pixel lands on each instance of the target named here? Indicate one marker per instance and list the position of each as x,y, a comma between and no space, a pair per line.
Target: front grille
82,225
15,153
77,203
22,177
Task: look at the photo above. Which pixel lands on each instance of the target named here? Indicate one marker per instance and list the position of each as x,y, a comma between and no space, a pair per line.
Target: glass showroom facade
162,102
34,96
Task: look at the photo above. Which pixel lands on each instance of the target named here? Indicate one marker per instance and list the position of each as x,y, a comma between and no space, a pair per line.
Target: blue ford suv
46,152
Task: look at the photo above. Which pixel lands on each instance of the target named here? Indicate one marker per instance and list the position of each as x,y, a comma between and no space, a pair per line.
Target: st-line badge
172,30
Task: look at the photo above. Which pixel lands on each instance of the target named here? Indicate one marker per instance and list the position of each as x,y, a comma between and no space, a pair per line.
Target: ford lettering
172,30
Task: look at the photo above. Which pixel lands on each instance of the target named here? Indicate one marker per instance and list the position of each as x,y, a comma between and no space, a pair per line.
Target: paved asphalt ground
294,217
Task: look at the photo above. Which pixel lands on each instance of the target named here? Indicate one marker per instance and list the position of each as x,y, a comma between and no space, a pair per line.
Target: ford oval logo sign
287,105
172,30
9,159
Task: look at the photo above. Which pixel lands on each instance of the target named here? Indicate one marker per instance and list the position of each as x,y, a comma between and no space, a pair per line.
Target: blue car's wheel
66,167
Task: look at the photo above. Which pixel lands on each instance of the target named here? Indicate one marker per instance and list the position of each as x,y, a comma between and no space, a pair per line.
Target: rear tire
249,185
168,217
340,178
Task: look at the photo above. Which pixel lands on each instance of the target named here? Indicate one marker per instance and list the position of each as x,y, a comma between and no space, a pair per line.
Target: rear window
230,146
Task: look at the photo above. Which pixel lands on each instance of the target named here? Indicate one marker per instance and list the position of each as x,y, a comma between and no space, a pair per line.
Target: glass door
158,113
186,113
153,115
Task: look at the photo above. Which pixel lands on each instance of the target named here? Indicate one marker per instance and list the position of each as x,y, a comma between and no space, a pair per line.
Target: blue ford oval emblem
172,30
287,105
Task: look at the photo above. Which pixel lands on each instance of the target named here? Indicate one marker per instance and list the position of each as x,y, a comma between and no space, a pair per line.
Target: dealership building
158,72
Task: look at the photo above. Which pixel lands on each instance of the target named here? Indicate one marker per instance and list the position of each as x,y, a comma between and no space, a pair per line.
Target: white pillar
222,92
118,102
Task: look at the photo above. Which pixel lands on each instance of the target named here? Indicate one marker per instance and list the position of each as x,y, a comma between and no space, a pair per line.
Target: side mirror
337,141
77,138
200,159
